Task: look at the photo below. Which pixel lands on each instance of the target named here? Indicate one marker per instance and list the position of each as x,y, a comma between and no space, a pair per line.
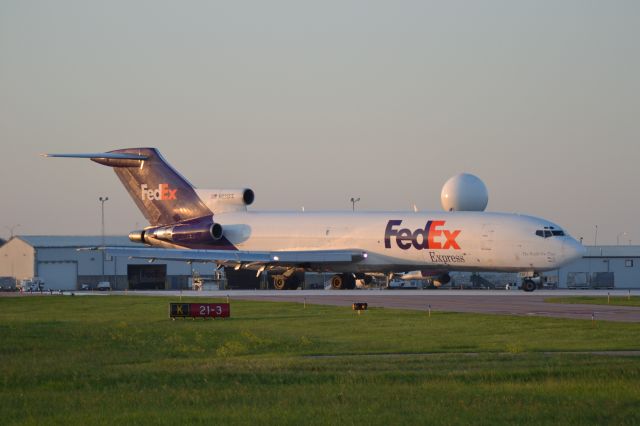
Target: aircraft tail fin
161,193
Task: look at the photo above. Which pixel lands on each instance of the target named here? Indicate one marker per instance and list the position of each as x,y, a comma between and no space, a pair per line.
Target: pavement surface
497,302
531,305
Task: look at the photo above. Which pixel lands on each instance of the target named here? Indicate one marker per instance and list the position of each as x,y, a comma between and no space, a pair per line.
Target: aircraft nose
572,250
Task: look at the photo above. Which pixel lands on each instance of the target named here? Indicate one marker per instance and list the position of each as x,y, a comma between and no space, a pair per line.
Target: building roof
613,251
61,241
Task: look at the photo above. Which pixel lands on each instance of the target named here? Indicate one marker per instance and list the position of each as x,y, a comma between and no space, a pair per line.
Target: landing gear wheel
343,282
528,285
279,282
337,282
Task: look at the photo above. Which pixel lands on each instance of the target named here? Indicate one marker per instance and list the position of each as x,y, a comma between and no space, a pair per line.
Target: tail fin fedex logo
162,192
431,237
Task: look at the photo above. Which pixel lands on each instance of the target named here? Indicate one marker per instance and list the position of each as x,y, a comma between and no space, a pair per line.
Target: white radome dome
464,192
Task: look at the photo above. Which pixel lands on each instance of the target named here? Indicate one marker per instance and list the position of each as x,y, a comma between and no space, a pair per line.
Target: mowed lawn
120,360
597,300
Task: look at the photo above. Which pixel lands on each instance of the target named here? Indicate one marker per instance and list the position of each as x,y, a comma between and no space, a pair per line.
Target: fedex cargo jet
214,225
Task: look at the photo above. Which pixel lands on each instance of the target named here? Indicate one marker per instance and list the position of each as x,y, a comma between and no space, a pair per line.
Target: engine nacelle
226,200
201,231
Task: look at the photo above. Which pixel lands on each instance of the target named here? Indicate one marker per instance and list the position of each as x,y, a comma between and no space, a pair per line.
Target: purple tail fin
162,194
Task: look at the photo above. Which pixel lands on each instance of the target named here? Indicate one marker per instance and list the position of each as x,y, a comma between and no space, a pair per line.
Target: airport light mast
353,203
102,201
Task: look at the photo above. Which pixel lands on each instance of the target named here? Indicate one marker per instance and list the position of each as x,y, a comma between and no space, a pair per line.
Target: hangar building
57,261
615,267
603,267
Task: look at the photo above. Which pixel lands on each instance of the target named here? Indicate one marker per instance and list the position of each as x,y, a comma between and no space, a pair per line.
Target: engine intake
248,196
216,231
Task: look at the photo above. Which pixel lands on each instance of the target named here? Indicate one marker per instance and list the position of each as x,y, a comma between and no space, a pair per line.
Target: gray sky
310,103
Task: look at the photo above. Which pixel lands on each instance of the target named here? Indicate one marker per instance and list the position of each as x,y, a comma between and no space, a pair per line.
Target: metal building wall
17,259
64,267
622,261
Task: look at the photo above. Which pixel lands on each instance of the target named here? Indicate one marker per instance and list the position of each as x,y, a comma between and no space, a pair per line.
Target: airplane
215,225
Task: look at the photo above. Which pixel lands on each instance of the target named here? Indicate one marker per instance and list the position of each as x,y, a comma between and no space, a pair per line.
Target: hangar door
147,277
59,275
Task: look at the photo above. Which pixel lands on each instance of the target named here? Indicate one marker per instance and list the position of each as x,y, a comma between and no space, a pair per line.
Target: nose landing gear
532,282
528,285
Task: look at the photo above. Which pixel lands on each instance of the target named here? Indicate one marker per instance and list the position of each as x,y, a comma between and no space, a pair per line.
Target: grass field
117,360
597,300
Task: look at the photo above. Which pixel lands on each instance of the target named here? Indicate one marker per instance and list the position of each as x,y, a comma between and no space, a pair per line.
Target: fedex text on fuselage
432,236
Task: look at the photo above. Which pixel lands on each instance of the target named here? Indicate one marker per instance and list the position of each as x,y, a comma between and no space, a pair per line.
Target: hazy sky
310,103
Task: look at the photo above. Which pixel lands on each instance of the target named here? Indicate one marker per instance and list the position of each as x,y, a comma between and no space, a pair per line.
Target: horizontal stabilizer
162,194
100,155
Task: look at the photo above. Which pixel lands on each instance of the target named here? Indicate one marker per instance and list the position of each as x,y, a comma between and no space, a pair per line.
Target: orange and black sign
359,306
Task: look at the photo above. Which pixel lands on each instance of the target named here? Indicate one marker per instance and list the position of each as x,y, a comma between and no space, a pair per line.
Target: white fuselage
348,242
404,241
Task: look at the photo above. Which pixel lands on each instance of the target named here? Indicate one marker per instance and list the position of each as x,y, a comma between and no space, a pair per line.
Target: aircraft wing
236,257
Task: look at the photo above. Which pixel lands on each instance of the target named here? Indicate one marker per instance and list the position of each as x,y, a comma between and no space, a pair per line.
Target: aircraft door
487,244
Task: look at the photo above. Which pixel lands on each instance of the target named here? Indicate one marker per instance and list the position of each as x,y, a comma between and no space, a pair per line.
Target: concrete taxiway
486,302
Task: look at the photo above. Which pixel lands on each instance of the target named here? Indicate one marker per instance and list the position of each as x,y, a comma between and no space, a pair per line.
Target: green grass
597,300
110,359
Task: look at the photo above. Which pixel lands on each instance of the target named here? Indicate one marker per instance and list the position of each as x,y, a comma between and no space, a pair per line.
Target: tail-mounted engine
226,200
197,231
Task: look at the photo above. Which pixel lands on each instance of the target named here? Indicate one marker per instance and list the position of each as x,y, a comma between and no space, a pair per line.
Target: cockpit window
549,231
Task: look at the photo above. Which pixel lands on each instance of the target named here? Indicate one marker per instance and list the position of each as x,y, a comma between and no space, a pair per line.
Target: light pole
102,201
11,228
595,238
353,203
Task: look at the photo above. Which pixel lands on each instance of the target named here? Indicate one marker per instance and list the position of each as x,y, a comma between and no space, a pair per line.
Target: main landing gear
286,282
343,282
